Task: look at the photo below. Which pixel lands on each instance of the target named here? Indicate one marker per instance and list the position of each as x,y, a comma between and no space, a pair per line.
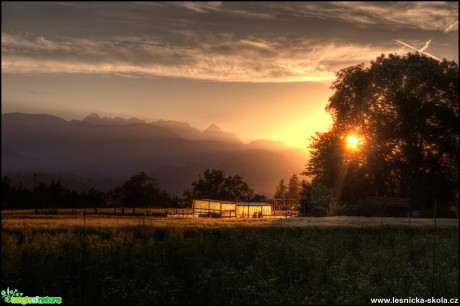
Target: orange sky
258,69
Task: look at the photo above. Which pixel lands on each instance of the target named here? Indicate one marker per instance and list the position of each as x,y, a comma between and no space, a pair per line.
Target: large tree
214,184
406,110
140,190
281,191
293,191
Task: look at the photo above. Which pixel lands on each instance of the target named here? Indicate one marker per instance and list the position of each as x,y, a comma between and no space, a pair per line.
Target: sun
353,142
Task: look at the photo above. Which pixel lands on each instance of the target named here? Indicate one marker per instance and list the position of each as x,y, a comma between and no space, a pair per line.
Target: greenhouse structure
228,209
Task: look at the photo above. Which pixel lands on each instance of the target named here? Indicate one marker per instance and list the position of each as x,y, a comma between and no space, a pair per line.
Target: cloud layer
243,42
216,58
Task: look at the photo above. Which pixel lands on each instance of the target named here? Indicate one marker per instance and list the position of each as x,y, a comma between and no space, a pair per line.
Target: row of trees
289,197
301,195
291,191
140,190
52,195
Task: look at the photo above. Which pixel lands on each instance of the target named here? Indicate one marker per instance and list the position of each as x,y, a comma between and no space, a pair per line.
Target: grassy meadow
147,260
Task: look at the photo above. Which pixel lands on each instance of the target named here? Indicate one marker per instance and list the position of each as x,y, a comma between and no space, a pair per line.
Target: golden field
26,219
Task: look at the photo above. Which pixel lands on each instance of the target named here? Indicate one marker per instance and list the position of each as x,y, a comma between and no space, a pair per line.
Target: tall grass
232,265
23,221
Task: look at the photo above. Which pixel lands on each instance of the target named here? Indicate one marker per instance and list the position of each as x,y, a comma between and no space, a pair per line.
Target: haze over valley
107,150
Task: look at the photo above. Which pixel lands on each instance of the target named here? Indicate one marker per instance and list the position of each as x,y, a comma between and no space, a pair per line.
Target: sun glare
353,142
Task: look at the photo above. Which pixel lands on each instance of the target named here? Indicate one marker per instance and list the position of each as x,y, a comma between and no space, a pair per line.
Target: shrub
440,213
319,211
320,193
336,208
364,207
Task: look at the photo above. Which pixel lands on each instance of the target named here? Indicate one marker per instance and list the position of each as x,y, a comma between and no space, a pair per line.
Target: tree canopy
405,108
293,190
281,190
140,190
214,184
288,197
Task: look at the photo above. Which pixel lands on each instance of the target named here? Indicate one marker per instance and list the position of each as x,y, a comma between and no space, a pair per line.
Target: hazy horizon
259,70
150,121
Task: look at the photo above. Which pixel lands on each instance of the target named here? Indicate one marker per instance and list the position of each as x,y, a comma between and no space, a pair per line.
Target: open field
147,260
27,220
102,211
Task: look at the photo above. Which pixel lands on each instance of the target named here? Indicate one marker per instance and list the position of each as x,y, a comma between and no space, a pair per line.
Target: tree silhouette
214,184
281,190
140,190
95,198
406,109
305,196
293,190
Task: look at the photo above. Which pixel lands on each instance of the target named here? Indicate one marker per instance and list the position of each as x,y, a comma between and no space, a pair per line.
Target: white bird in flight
421,50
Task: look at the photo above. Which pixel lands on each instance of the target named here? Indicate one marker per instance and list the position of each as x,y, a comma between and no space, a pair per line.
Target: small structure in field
228,209
253,209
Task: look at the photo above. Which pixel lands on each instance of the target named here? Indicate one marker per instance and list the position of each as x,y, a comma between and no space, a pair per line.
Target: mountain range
104,149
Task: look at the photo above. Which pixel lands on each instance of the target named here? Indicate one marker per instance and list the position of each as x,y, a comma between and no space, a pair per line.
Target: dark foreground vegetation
274,265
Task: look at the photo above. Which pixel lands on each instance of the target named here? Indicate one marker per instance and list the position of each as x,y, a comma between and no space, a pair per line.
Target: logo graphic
8,294
15,297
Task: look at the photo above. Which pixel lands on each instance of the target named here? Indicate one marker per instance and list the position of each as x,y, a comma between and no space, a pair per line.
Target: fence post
381,225
434,249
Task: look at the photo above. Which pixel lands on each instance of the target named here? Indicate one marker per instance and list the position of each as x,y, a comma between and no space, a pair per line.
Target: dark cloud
228,41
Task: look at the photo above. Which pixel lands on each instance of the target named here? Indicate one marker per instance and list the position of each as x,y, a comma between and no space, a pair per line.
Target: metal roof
210,200
252,204
238,203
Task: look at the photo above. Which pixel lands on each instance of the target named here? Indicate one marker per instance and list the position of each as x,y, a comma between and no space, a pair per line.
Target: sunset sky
259,69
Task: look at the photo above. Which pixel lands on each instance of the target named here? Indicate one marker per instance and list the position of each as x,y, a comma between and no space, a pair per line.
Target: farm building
248,209
228,209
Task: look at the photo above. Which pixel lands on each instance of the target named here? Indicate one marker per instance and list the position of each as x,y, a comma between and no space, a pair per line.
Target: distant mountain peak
213,128
213,132
94,118
91,117
173,124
